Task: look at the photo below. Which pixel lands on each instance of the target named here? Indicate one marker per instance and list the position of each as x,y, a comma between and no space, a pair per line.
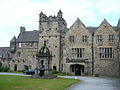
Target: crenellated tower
52,30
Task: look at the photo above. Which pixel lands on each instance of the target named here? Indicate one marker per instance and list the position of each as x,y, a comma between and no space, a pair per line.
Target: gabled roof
28,36
5,52
78,22
104,22
13,40
118,25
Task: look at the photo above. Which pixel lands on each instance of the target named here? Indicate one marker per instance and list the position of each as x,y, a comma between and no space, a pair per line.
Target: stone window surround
78,53
84,38
71,39
111,38
105,53
99,38
19,45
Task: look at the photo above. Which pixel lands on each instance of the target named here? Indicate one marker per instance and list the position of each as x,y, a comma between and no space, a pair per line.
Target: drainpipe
119,53
93,54
60,55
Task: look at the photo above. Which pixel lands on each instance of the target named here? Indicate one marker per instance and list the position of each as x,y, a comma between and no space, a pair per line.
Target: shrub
10,70
21,70
1,69
54,72
6,69
0,64
60,74
96,75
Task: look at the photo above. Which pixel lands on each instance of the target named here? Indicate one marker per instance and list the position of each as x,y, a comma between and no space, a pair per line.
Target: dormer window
111,38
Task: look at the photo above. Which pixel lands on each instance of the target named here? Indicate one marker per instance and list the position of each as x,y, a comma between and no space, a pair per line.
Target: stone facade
78,50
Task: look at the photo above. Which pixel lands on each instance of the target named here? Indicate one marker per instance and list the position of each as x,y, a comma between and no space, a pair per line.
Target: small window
55,46
42,28
20,45
111,38
84,38
42,36
71,39
99,38
30,45
18,54
49,36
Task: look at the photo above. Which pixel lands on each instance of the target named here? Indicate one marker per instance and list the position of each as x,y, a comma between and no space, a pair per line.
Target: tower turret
13,44
60,14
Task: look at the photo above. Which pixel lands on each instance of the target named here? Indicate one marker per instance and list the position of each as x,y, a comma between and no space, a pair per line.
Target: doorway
77,69
15,67
55,68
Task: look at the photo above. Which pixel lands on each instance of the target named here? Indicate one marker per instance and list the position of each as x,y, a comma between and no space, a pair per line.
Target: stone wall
106,66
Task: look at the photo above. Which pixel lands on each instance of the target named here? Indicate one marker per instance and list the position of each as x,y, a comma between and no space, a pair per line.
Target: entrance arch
77,69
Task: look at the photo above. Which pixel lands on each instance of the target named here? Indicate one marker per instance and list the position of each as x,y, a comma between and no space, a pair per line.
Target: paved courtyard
95,83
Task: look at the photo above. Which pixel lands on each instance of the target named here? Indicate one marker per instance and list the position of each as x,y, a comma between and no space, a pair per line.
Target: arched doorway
77,69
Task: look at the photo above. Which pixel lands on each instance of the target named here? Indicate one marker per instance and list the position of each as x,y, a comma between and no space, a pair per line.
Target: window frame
78,53
99,38
105,53
84,38
111,38
71,39
19,45
31,44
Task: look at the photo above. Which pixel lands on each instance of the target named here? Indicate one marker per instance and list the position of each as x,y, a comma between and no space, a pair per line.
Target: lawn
8,82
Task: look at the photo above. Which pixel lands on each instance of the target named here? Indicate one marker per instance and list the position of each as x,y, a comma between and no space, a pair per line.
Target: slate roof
28,36
5,52
92,29
13,39
118,25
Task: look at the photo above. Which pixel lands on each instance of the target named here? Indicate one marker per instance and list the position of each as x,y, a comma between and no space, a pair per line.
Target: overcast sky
16,13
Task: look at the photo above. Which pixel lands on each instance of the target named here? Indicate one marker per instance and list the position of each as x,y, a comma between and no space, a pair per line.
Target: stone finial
60,13
41,13
22,29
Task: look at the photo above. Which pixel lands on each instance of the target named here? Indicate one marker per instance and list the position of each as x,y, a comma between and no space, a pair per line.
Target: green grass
8,82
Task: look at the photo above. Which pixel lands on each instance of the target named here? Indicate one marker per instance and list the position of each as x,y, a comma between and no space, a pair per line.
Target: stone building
5,56
78,50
